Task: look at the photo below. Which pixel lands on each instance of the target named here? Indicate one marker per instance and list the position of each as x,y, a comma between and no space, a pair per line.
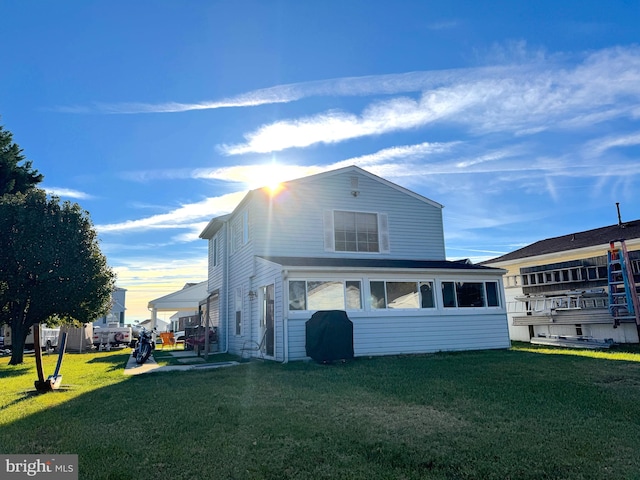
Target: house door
268,319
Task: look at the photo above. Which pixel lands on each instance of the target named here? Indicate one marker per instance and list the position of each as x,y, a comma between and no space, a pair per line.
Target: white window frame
336,280
330,232
485,293
417,283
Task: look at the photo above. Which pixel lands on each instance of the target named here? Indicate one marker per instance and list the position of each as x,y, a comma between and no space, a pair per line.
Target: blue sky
521,118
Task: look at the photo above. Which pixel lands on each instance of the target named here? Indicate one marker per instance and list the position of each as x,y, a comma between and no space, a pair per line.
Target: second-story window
356,232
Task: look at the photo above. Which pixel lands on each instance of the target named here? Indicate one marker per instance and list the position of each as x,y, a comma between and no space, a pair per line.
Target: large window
325,295
362,232
356,232
470,294
401,295
391,294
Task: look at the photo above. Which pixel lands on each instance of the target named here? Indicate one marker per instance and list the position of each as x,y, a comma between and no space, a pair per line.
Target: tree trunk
17,343
38,349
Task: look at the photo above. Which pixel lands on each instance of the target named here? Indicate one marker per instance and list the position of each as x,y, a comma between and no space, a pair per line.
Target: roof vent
354,186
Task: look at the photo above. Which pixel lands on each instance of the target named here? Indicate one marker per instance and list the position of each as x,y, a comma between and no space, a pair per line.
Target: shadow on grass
117,362
29,394
467,416
14,371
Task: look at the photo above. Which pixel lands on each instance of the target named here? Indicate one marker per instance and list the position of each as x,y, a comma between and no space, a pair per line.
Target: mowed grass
523,413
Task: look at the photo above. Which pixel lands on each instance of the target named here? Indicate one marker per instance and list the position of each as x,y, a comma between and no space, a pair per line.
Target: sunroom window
325,295
470,294
400,295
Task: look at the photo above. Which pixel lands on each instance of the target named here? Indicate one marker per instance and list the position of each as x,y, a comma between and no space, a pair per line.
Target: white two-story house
346,240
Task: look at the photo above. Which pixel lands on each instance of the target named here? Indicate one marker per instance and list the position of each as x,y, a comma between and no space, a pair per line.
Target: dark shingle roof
373,263
572,241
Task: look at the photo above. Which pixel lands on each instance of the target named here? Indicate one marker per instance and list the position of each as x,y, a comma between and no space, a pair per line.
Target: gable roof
573,241
216,223
356,169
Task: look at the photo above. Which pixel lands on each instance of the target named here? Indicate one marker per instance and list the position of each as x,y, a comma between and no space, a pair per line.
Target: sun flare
271,175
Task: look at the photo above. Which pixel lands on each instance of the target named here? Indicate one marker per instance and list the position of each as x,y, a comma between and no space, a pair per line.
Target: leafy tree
15,178
50,265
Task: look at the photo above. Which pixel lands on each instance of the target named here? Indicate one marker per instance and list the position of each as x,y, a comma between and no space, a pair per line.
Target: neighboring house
180,320
345,240
559,286
184,302
116,314
150,323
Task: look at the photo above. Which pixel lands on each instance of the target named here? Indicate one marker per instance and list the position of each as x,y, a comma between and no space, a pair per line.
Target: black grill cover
329,336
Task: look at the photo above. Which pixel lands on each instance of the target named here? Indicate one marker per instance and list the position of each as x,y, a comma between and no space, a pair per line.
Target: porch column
154,317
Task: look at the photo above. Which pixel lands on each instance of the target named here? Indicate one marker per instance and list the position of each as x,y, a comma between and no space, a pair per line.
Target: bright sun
271,175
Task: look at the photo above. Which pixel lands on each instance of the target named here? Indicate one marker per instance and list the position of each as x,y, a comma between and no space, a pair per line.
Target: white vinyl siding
298,221
240,231
411,331
329,236
426,326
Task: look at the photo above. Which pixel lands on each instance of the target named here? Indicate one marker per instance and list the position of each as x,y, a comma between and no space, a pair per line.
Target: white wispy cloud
518,100
67,193
517,166
184,217
336,126
598,146
339,87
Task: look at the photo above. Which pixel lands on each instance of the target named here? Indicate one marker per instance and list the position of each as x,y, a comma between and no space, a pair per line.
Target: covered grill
329,336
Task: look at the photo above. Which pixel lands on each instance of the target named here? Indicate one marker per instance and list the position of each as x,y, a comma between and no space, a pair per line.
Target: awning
187,299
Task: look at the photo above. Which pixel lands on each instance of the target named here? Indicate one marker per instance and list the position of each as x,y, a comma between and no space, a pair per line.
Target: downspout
285,315
285,323
225,284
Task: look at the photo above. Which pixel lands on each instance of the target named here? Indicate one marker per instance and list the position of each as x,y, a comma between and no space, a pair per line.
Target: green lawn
525,413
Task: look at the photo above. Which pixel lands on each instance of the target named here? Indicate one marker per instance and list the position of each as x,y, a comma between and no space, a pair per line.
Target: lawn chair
168,339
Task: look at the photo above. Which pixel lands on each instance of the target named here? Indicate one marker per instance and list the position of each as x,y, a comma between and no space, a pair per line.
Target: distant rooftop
572,241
